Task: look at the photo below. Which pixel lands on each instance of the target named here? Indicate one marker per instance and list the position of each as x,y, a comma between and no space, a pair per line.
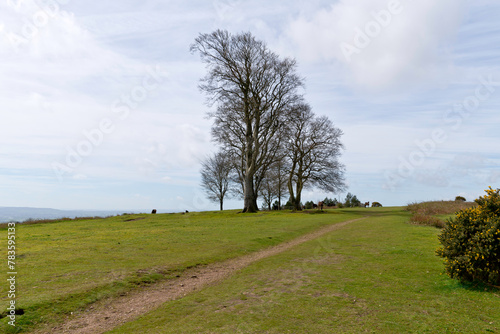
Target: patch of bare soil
110,313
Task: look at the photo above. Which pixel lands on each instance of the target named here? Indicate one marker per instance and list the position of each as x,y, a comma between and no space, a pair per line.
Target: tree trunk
279,199
221,201
298,195
250,200
292,195
279,185
296,203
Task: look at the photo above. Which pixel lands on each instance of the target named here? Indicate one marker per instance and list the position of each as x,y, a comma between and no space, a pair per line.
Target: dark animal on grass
315,206
320,205
153,212
367,204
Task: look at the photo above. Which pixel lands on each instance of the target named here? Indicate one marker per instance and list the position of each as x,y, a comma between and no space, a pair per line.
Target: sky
100,107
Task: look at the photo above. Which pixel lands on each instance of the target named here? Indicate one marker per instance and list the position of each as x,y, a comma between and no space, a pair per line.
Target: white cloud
80,177
468,161
432,178
394,42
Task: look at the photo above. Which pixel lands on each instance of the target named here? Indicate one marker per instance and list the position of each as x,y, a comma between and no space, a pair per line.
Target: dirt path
108,314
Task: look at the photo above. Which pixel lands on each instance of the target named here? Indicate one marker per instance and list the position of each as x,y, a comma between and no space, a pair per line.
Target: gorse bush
471,242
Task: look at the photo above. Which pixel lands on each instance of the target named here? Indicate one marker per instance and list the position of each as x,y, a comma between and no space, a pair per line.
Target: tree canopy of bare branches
313,150
253,91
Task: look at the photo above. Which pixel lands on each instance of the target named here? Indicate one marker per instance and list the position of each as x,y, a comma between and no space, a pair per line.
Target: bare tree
253,90
313,150
216,177
281,179
274,184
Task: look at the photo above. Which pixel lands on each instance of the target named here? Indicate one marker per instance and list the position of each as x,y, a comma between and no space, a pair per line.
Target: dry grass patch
422,219
431,213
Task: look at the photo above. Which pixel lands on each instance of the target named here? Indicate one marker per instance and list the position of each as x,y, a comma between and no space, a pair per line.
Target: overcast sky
100,106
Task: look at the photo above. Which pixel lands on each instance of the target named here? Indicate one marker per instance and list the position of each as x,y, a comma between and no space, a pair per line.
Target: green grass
378,275
65,266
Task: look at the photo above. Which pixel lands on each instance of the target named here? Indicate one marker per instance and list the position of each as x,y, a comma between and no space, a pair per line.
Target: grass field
65,266
378,275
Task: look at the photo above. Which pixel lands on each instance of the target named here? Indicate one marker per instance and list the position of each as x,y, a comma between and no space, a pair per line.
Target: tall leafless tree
313,151
216,177
253,90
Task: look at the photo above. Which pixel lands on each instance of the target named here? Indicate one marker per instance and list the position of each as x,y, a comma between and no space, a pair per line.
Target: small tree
216,177
288,205
355,201
267,190
460,198
347,201
273,185
351,201
471,242
329,202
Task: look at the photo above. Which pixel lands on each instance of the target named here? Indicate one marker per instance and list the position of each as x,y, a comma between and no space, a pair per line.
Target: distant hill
20,214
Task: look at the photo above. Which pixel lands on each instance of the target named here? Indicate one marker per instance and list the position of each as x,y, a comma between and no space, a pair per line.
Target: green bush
351,201
329,202
460,198
309,205
471,242
376,205
288,205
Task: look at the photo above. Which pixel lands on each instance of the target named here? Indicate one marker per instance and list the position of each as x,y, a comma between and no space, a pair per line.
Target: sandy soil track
110,313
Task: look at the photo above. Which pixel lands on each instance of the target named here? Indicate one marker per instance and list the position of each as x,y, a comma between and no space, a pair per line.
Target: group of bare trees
271,143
